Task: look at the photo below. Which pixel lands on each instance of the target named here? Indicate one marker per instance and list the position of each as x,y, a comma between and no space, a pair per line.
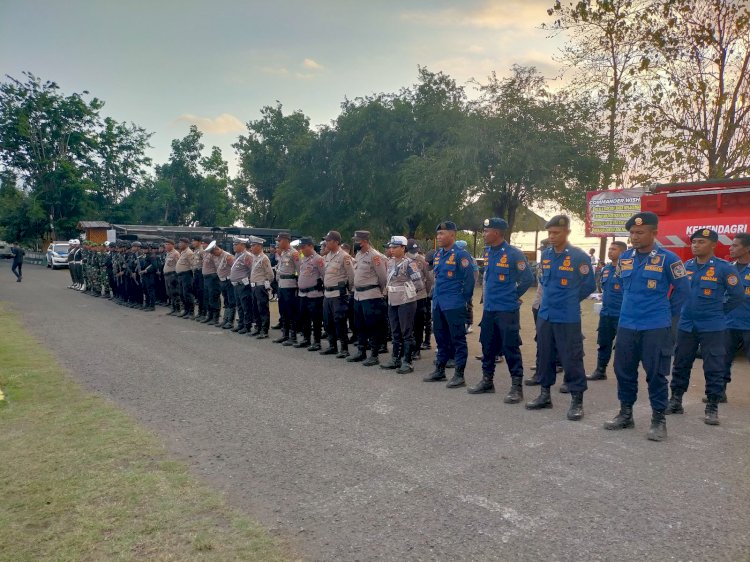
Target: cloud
276,71
506,15
221,125
312,64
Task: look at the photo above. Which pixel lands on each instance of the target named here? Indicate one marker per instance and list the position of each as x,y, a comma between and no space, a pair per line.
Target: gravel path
349,463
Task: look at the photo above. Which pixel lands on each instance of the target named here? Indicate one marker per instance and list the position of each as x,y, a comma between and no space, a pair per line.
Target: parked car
5,252
57,255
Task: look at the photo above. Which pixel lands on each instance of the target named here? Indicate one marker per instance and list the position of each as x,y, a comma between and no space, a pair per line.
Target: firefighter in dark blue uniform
567,279
609,317
655,286
507,276
453,289
738,320
714,290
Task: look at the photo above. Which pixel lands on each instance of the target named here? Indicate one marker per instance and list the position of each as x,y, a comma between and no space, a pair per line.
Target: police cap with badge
705,233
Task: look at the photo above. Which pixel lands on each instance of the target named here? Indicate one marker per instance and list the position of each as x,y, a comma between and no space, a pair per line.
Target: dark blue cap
639,219
446,225
496,223
306,241
562,221
706,233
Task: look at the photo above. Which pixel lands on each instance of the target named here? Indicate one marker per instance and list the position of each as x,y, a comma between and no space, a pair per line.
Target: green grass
80,480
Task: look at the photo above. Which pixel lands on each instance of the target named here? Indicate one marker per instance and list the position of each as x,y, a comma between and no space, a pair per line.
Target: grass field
80,480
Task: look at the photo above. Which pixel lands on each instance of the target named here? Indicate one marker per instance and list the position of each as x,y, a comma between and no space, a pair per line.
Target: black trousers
211,292
16,269
500,335
261,313
243,297
173,289
310,317
419,319
401,318
149,289
427,319
288,309
334,316
713,348
368,317
198,291
606,337
652,349
227,294
733,339
562,341
185,279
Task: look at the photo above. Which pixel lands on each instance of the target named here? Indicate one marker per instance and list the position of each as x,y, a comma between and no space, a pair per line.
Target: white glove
267,284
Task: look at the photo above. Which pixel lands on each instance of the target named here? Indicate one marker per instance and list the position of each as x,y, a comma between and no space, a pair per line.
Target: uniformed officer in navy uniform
454,287
567,279
507,277
655,286
714,290
738,320
609,316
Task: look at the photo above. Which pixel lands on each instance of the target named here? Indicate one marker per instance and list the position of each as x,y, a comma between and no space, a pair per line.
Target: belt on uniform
170,273
366,288
311,289
223,278
287,277
334,288
189,271
210,275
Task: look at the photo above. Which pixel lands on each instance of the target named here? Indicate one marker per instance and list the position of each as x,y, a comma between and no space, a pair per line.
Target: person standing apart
567,279
655,286
609,317
507,277
17,267
714,290
453,289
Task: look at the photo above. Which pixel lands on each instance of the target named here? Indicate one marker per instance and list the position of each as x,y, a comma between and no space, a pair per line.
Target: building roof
94,224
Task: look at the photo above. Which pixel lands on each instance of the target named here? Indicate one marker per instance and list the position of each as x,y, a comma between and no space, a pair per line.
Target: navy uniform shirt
739,318
454,279
714,290
507,276
567,279
611,291
647,303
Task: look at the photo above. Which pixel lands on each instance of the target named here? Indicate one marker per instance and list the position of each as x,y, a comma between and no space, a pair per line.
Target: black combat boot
417,355
406,366
722,396
292,339
533,380
228,319
658,429
599,375
332,349
675,403
208,318
515,395
315,346
712,410
451,364
457,380
359,356
242,331
283,337
437,375
575,412
344,353
623,420
485,386
372,360
395,361
262,335
542,401
564,388
303,343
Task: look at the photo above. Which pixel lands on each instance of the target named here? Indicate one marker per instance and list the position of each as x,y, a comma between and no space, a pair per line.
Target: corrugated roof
94,224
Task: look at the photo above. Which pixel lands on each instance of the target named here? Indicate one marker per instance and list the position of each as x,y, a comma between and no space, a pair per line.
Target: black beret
206,239
706,233
639,219
496,223
361,235
306,241
198,238
187,241
446,225
561,221
283,236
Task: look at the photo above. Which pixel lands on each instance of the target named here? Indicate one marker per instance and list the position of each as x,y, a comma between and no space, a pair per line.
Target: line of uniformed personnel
649,295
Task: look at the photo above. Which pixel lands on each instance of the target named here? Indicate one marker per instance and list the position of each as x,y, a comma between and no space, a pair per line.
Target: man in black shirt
18,254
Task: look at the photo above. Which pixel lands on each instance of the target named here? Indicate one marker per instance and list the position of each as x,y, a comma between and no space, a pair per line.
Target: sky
167,64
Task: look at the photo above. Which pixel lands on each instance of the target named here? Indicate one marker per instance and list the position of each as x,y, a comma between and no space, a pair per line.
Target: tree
696,68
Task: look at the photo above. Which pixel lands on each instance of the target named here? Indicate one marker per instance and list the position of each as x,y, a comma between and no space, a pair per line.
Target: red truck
683,208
